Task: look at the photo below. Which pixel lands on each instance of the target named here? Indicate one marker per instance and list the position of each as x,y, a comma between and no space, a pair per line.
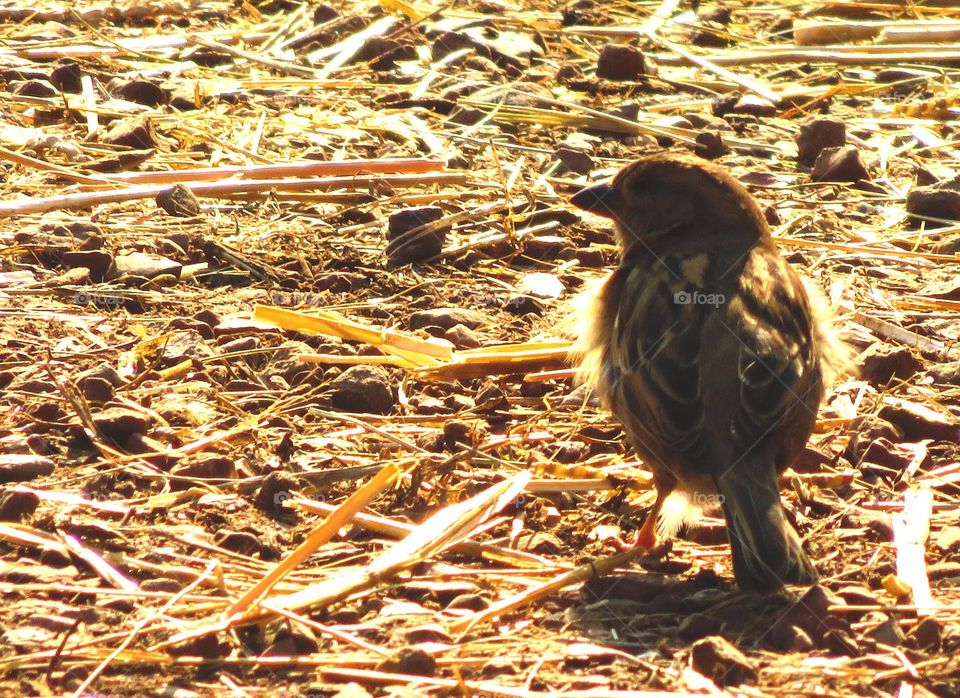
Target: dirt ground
162,451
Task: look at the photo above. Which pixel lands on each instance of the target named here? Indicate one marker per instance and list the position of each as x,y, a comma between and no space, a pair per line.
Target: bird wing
777,370
652,367
756,345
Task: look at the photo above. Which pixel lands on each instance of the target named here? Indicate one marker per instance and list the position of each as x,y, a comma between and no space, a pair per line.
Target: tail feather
766,550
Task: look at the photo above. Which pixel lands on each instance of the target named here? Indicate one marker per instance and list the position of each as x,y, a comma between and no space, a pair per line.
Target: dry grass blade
398,529
327,529
439,532
500,360
580,575
910,531
413,351
219,189
311,168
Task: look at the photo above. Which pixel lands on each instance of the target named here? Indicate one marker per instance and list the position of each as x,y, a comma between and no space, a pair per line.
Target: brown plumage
705,345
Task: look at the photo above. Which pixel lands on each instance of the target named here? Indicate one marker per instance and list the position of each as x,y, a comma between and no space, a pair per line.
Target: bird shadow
651,613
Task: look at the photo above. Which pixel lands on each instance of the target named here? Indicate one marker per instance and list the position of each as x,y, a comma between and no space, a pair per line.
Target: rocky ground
162,450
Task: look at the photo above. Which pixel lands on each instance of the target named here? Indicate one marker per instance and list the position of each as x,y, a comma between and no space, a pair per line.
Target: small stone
21,467
104,371
470,602
813,610
888,75
580,397
374,48
238,542
949,245
16,506
35,88
428,405
887,630
363,389
895,456
207,646
708,531
931,173
620,62
467,116
66,77
928,634
568,72
941,201
96,261
841,164
154,451
275,489
448,317
410,660
144,265
492,398
881,363
288,642
39,445
816,134
459,403
456,433
522,304
138,91
351,690
163,585
919,422
790,638
858,596
135,132
709,145
948,374
717,659
545,247
208,467
179,201
574,159
699,625
721,14
431,632
710,35
707,122
407,243
590,257
119,423
723,104
755,106
541,543
97,390
462,337
864,431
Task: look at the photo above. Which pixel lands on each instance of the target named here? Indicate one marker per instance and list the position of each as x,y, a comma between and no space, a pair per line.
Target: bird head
666,195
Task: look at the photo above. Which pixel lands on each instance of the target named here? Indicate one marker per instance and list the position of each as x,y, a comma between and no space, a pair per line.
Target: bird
710,351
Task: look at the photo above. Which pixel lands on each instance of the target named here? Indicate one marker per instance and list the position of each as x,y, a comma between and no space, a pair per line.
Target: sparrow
706,346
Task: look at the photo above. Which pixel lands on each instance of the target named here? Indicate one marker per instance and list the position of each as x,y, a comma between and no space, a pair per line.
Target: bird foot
645,539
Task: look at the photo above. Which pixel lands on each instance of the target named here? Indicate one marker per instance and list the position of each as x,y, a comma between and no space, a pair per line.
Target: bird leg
647,535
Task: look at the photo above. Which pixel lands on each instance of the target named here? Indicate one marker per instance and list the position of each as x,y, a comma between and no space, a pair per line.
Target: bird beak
595,199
